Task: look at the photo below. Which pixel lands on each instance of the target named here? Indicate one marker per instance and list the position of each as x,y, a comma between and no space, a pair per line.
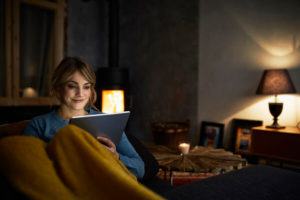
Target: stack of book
180,178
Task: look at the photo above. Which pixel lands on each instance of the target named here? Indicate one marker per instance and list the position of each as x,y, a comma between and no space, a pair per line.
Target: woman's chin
79,106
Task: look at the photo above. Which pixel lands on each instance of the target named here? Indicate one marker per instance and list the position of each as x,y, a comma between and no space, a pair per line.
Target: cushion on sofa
15,128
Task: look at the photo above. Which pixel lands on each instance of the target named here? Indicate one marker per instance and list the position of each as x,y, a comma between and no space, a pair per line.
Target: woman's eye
71,86
87,87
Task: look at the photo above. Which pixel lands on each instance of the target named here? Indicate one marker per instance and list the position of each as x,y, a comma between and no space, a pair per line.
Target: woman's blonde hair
67,67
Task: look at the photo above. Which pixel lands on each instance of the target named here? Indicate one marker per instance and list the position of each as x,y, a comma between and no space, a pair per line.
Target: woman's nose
79,91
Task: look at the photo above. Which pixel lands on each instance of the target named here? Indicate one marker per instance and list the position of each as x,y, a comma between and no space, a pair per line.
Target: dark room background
158,43
190,60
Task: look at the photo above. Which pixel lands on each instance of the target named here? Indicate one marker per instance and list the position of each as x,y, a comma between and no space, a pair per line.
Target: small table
277,144
200,162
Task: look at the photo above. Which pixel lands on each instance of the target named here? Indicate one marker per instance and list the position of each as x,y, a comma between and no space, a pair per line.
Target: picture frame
211,134
241,134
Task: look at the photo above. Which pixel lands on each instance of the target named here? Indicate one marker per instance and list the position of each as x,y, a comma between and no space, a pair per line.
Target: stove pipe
112,77
113,28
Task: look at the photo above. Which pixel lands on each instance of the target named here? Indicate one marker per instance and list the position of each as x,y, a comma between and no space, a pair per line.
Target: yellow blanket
72,166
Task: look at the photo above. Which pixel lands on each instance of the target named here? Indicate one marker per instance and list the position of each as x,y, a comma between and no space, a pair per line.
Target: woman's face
76,92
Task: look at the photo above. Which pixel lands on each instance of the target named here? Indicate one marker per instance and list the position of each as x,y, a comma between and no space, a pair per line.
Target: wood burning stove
113,89
113,81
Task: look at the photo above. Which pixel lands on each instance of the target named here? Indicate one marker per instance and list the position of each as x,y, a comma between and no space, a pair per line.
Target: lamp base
275,110
276,126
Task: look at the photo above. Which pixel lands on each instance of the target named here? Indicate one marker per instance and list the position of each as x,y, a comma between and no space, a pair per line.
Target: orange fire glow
112,101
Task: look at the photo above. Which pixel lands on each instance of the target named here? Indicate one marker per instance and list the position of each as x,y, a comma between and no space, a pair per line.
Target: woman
73,83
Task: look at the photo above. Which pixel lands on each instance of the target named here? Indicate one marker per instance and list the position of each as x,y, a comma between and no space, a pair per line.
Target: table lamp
274,82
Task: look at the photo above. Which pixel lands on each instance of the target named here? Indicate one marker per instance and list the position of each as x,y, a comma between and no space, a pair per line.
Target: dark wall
87,31
158,43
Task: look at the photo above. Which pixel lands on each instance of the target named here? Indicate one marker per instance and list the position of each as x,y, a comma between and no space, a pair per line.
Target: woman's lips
78,100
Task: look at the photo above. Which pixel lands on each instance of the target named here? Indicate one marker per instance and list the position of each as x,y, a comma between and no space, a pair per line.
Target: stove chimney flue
113,22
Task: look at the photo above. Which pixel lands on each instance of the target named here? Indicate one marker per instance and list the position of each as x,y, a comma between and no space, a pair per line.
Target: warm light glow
279,51
184,148
29,92
278,46
260,110
112,101
272,61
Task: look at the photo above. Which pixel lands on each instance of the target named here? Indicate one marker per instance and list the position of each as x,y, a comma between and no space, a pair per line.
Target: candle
184,148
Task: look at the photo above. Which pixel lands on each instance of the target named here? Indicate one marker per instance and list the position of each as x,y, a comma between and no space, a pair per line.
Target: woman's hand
108,144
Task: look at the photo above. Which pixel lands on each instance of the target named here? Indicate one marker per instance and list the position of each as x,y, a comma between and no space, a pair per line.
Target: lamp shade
276,81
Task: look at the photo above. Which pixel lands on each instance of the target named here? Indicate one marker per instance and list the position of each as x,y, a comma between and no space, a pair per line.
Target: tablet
106,125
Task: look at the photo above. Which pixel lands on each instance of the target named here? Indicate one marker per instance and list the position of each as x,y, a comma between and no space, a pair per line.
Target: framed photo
241,134
211,134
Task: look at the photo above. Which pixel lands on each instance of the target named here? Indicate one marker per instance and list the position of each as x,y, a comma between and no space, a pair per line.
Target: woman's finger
106,141
108,144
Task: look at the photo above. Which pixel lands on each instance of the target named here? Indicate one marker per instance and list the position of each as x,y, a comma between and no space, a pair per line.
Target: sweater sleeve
32,129
130,157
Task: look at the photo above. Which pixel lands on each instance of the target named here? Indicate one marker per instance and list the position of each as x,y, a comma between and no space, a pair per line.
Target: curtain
2,50
36,48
